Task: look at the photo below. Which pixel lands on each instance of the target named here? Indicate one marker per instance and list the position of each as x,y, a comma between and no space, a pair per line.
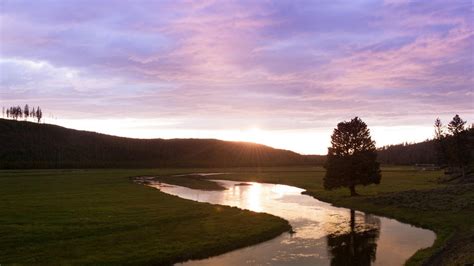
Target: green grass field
100,216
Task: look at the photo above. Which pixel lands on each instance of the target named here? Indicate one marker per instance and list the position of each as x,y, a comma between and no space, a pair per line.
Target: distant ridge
31,145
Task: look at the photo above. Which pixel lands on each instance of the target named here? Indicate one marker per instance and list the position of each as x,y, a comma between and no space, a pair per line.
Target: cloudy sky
282,73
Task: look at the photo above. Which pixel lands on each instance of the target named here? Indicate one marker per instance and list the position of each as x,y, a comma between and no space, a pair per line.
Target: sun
253,134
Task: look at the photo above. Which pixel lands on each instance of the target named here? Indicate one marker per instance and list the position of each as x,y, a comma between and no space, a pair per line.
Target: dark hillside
32,145
408,154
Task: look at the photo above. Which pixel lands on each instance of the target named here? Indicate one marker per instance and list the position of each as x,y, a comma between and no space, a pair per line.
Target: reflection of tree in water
358,244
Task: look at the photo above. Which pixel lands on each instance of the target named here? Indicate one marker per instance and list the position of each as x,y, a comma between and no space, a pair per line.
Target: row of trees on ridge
15,112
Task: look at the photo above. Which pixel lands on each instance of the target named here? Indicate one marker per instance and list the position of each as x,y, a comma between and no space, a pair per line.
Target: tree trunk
353,191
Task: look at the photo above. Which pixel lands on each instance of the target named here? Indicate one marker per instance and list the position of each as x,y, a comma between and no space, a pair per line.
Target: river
324,234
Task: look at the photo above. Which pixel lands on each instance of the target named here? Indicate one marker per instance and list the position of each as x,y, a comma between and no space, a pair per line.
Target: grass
99,216
102,217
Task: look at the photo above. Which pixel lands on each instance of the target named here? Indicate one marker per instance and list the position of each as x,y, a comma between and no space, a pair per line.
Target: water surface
324,234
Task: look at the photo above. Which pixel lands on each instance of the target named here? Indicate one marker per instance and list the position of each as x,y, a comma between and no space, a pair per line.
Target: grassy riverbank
190,181
102,217
405,194
97,216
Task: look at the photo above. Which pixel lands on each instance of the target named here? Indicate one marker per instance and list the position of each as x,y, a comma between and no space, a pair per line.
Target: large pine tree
352,157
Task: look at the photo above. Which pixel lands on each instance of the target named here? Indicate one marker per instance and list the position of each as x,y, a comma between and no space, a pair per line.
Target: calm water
325,235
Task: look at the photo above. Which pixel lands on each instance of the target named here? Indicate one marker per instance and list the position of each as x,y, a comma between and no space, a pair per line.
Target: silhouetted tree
439,142
456,125
457,144
455,148
439,130
351,159
26,111
39,114
15,112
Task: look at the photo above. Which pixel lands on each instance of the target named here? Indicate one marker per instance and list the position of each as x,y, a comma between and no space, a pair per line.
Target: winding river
324,234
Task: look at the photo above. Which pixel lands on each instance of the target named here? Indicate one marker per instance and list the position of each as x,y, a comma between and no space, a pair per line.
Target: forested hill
420,153
408,154
31,145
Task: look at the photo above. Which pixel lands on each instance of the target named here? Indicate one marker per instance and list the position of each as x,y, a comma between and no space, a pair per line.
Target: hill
408,154
31,145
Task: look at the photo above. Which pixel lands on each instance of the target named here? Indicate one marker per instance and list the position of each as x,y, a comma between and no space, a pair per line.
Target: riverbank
102,217
323,234
194,181
404,194
80,216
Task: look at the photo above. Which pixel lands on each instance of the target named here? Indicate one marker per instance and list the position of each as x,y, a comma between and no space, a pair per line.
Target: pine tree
39,114
26,111
352,158
439,142
456,125
458,145
439,130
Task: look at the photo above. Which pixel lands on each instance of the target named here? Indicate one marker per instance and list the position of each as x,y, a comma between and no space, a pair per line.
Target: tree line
352,158
454,145
408,153
15,112
454,138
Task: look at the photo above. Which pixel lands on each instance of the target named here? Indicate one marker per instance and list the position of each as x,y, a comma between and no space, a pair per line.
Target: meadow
101,216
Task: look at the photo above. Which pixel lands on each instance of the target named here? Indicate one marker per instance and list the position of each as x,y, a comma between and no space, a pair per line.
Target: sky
280,73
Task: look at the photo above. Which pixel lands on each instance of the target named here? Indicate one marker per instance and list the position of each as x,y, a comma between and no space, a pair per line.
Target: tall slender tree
351,159
439,142
20,112
455,148
458,145
26,111
39,114
439,130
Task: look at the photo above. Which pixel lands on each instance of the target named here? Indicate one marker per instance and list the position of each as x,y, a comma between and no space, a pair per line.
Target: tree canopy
351,159
455,148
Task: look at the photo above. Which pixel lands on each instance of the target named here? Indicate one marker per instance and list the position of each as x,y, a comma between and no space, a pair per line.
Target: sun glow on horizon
304,141
253,134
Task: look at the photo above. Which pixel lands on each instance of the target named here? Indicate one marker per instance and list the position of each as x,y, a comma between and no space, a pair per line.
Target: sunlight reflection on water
324,234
